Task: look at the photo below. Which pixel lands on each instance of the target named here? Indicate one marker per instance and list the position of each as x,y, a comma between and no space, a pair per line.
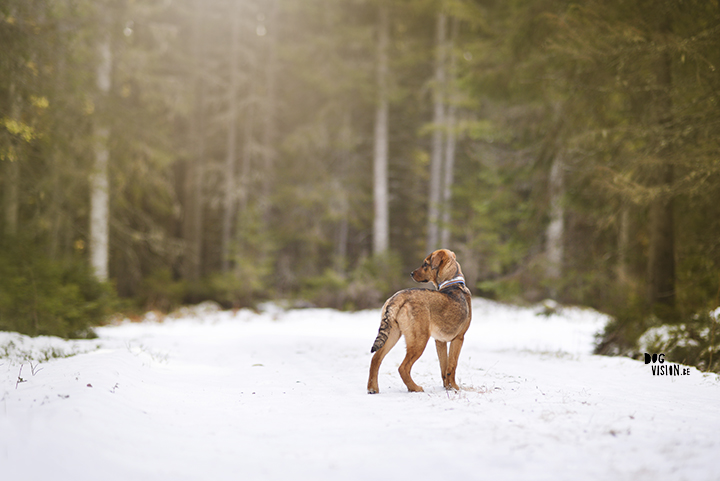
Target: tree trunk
343,228
192,226
661,256
623,270
449,164
269,127
99,181
247,151
11,176
230,159
59,222
381,221
57,218
554,234
11,200
436,156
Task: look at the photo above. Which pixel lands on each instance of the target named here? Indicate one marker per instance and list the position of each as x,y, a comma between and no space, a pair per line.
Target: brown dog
419,314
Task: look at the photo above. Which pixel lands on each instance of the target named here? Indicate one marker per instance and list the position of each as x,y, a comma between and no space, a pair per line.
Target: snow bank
280,395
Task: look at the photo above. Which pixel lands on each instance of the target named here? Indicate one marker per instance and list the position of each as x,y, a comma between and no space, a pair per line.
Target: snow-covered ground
280,395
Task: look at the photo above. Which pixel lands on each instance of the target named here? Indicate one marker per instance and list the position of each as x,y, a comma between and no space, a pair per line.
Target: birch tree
193,218
450,140
99,180
554,233
381,222
230,197
270,31
436,155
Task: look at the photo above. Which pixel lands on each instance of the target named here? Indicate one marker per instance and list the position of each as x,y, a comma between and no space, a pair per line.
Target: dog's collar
453,281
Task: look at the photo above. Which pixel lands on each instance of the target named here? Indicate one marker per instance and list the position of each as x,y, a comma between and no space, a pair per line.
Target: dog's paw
373,390
450,385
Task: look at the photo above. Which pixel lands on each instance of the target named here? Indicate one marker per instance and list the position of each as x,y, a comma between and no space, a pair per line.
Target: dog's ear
445,265
438,258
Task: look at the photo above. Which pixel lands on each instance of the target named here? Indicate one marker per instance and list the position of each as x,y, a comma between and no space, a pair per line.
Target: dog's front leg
442,352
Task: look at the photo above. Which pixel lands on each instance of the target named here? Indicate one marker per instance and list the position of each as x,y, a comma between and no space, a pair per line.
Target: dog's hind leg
455,347
393,336
415,348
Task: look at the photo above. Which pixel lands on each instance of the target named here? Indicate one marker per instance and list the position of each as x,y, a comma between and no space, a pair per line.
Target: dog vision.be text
662,369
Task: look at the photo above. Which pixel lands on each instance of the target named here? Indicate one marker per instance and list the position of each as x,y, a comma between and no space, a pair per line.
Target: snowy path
281,395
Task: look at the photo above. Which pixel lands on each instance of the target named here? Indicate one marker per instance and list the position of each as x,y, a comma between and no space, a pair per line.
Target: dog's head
437,268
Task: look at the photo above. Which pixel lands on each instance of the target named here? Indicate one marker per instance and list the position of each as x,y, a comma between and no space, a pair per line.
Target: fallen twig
20,379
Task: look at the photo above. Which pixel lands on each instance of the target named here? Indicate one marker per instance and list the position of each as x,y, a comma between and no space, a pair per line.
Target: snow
280,394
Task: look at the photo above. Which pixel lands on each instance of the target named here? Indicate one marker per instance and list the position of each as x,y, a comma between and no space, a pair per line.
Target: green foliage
499,217
520,285
621,334
244,286
330,289
373,280
695,342
691,340
159,291
39,296
535,80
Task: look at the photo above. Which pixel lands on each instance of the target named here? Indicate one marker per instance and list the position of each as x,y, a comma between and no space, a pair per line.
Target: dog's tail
388,314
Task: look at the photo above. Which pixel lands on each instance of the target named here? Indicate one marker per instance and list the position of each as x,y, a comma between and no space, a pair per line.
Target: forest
155,153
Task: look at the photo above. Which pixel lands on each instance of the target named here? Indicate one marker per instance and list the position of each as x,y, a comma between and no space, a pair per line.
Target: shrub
621,333
40,296
695,343
242,287
367,286
159,291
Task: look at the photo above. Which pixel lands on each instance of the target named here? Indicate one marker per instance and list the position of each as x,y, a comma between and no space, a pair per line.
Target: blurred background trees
259,149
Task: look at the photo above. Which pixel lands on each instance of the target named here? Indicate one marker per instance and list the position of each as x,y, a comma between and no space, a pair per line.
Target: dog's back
446,311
